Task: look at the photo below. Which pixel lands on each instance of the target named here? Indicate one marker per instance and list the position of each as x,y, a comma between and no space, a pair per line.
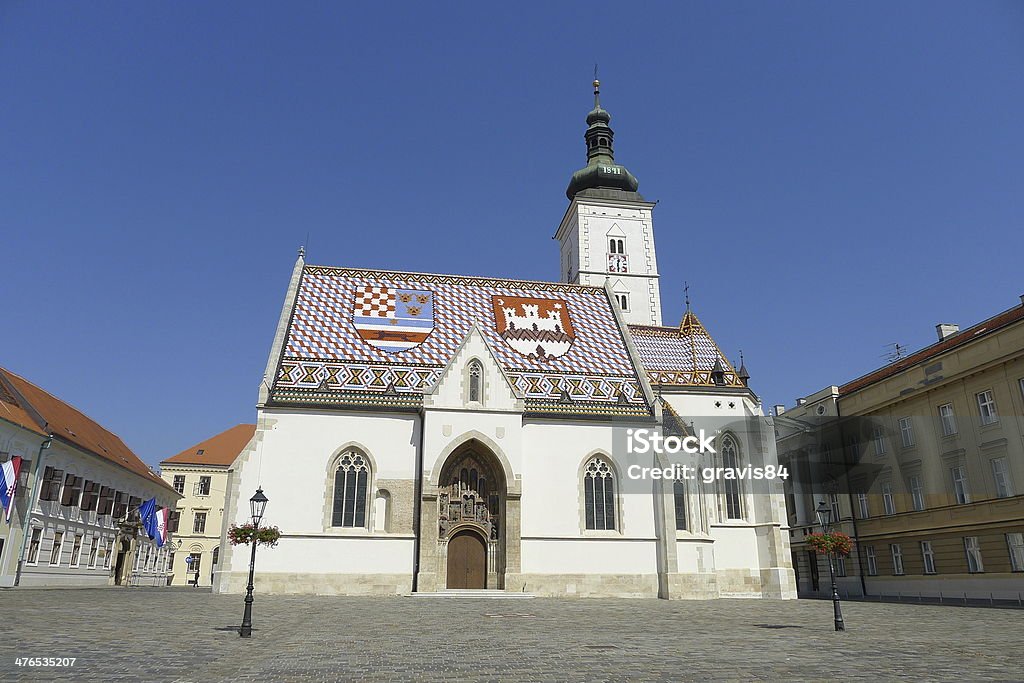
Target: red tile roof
959,339
220,450
12,410
70,425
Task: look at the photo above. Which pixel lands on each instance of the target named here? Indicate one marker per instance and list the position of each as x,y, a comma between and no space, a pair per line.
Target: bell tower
607,231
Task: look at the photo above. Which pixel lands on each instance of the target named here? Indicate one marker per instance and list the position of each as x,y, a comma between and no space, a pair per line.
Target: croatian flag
147,515
8,483
161,527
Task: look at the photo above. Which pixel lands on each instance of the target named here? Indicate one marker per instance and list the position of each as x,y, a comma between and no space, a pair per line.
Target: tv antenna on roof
897,352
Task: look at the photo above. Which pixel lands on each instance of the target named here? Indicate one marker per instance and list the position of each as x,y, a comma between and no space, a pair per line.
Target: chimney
801,401
779,409
1022,299
946,330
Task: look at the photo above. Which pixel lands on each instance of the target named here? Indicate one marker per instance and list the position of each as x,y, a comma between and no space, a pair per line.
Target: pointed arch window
476,381
351,480
733,500
599,495
679,498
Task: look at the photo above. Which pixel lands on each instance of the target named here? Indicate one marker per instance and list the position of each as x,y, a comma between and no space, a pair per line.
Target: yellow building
200,474
935,502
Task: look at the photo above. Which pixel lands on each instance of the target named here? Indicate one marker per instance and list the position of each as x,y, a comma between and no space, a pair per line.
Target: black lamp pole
824,515
257,504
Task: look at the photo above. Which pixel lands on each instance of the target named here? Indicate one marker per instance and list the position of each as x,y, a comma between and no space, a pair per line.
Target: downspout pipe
853,508
45,445
418,504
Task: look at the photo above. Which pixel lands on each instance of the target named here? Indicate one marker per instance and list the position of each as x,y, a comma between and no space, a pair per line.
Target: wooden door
467,561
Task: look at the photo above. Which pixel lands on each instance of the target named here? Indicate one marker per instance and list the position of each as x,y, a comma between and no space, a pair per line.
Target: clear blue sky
832,176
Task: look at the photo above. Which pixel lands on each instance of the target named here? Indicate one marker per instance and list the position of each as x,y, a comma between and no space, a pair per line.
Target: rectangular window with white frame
869,552
840,566
1001,476
897,559
55,549
1015,545
833,501
94,547
916,492
973,551
179,483
33,546
862,503
199,523
907,432
879,440
76,551
987,407
108,554
202,487
887,499
928,557
959,475
948,419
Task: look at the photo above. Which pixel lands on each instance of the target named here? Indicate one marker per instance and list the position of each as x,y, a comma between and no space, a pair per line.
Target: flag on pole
8,483
161,527
147,515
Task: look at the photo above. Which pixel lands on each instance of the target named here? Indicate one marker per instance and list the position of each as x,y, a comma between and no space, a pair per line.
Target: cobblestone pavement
145,634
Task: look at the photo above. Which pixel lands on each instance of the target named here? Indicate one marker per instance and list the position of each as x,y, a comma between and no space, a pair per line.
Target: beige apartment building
933,444
200,475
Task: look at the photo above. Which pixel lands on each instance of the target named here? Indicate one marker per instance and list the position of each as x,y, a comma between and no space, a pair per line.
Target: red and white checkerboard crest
393,319
537,328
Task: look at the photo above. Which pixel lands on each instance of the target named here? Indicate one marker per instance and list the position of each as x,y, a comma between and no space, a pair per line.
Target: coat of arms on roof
537,328
392,319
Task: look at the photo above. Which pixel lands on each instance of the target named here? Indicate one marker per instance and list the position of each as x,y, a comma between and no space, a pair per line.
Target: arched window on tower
599,495
351,480
733,500
476,381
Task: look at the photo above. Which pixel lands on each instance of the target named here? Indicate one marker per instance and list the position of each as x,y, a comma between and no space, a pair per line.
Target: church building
423,432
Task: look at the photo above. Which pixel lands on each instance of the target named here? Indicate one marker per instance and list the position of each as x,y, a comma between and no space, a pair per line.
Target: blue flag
147,513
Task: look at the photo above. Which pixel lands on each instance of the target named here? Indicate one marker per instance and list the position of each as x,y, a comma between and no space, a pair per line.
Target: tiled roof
71,425
220,450
382,338
959,339
12,411
681,356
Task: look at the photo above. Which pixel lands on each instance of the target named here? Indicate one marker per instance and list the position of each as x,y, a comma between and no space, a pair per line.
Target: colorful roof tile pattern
383,338
683,356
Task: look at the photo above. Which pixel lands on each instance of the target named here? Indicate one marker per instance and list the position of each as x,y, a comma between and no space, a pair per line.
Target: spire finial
686,294
302,251
597,89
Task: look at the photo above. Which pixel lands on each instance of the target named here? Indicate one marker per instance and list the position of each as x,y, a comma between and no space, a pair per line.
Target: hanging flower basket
832,542
244,534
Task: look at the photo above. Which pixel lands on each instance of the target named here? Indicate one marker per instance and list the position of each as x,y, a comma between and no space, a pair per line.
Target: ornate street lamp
257,504
824,513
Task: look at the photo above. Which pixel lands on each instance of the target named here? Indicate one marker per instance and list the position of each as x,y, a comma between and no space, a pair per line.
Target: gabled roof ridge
227,442
483,278
58,400
690,326
115,452
976,331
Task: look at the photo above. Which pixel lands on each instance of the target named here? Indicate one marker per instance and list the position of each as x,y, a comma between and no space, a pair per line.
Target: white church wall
292,464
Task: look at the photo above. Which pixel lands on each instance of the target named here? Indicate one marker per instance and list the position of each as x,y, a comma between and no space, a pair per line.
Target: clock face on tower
617,263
